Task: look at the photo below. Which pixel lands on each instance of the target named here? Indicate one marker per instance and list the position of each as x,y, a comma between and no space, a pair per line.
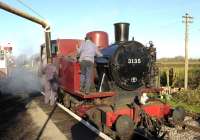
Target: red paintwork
156,110
100,38
69,75
69,78
67,46
111,117
69,72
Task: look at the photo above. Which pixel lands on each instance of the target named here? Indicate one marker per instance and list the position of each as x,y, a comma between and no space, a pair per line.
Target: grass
189,100
187,107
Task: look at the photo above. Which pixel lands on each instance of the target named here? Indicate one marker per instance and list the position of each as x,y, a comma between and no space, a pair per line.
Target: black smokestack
121,32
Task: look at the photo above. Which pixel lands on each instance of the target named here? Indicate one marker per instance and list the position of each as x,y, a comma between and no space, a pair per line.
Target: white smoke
21,79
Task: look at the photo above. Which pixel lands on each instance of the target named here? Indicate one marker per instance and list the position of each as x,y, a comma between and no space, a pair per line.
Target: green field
173,69
171,72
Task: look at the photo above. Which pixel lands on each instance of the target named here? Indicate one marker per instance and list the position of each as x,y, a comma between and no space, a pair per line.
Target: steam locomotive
122,78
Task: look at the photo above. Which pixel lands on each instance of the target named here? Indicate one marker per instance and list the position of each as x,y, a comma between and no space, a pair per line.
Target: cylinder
121,32
100,38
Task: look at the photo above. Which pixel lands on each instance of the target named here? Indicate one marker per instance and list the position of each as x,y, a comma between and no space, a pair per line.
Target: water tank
100,38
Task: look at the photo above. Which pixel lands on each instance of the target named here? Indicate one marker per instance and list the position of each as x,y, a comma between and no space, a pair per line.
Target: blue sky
156,20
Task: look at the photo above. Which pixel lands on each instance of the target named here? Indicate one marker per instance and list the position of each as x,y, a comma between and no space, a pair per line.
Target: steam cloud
20,80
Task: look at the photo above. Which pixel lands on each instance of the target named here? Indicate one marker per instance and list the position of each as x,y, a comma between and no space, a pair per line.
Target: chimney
121,32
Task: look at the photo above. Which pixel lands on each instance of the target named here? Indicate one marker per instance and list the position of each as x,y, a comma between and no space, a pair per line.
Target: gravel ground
177,133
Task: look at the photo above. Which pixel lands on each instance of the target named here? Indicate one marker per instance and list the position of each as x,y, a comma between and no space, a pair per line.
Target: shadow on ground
15,123
81,132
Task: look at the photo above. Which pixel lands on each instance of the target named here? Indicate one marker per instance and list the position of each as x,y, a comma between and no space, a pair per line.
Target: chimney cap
122,23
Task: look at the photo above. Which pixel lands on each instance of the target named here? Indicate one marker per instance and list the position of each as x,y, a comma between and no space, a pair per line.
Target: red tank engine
123,77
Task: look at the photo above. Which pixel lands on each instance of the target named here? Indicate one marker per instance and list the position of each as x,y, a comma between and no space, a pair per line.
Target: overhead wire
30,8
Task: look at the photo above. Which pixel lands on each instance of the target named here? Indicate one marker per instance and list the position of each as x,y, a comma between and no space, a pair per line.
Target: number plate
134,61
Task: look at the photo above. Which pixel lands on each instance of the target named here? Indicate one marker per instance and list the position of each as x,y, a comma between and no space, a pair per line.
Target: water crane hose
42,22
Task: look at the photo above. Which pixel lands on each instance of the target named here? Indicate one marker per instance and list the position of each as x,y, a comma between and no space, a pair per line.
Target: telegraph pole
186,19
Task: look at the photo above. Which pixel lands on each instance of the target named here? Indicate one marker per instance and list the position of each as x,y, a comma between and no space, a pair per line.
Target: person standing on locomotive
50,83
87,51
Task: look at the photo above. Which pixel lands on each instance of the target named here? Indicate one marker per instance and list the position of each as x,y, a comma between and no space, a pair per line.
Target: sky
159,21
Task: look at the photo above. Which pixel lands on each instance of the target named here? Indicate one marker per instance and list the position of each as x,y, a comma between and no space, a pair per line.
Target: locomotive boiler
128,64
122,76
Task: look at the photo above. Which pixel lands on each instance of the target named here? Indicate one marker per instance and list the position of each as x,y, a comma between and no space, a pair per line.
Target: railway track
189,129
192,122
188,126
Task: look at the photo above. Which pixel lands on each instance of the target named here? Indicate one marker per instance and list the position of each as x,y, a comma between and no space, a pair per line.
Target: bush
189,99
163,78
178,80
194,78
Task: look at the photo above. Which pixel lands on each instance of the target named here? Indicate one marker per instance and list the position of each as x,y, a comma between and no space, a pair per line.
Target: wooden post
186,20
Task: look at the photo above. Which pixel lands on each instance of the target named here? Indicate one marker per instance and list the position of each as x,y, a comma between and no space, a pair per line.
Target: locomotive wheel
124,126
95,118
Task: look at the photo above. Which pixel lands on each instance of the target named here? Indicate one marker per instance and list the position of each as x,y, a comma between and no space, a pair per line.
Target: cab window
54,48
